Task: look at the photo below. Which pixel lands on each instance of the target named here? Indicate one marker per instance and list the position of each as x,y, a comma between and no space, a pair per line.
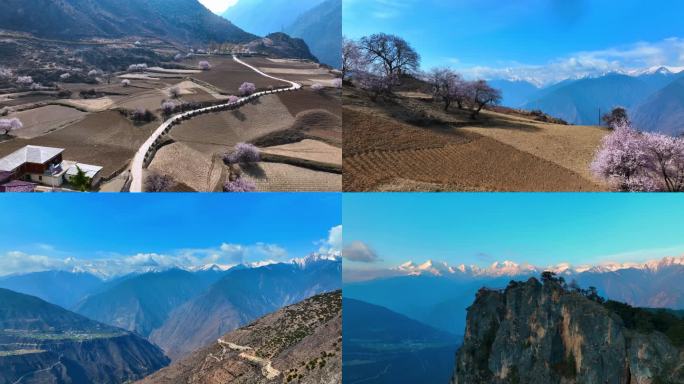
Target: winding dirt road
266,366
143,153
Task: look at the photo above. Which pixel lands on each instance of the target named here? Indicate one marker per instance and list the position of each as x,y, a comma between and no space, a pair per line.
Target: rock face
541,333
298,344
43,343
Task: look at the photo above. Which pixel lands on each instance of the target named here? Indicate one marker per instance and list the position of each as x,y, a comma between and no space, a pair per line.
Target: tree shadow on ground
239,115
254,170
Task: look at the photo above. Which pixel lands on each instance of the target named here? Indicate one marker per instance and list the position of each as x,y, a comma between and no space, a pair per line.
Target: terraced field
382,152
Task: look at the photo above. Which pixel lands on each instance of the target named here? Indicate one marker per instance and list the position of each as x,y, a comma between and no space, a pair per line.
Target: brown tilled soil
105,138
306,99
218,132
40,121
228,75
382,153
277,177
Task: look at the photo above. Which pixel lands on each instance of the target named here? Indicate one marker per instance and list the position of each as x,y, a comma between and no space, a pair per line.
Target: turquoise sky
541,229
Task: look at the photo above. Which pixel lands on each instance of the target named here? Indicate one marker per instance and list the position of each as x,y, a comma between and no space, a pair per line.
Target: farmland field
412,145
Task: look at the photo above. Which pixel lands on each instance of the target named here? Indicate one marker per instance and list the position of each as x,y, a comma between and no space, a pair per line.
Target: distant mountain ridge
240,297
654,97
176,20
262,17
437,294
321,28
43,343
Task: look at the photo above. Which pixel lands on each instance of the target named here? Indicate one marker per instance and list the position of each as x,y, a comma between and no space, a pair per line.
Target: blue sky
541,229
187,229
547,39
219,6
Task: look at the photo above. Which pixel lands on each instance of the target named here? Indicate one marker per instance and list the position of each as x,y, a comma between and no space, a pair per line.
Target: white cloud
641,55
360,252
332,246
15,262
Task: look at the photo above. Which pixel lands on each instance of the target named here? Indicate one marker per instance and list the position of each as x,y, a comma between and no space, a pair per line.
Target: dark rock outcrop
542,333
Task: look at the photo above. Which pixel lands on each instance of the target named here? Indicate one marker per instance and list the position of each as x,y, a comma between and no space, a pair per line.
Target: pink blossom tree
633,161
375,85
247,89
9,125
25,81
137,67
126,83
204,65
318,88
157,182
337,83
447,85
233,99
168,107
243,153
239,185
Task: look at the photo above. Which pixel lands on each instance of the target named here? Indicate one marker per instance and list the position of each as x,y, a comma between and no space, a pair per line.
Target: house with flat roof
43,165
34,163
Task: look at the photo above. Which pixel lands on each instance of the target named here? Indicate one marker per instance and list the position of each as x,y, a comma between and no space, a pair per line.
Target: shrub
239,185
233,99
126,83
141,115
8,125
156,182
175,92
247,89
243,154
64,94
204,65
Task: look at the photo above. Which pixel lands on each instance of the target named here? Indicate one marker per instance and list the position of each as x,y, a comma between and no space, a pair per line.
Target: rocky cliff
301,343
544,333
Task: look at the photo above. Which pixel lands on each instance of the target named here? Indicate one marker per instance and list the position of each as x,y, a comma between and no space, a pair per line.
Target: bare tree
447,86
351,57
481,95
391,53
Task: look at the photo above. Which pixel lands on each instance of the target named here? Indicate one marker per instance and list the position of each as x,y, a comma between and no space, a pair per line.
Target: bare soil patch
106,139
306,99
189,167
276,177
315,152
381,153
217,132
40,121
228,75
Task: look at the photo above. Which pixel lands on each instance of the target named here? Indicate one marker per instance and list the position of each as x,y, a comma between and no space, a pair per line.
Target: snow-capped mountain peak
510,268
